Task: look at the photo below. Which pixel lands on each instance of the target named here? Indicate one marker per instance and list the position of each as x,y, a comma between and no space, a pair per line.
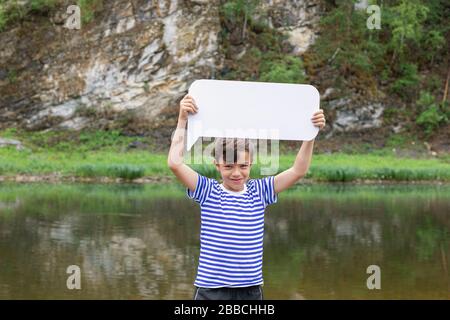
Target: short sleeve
267,190
202,189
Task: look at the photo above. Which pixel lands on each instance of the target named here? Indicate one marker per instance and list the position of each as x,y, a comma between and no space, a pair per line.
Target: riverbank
109,157
55,178
143,167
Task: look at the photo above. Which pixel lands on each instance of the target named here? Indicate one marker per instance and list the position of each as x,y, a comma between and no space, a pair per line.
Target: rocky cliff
132,63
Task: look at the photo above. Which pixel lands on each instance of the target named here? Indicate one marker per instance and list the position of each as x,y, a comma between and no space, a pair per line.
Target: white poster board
253,110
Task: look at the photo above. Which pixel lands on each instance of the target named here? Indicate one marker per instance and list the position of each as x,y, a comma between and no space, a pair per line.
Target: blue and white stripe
232,232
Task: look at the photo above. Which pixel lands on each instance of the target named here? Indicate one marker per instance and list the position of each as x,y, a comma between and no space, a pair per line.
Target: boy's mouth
236,180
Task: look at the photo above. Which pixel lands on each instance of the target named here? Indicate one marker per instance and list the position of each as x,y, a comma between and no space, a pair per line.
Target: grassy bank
109,154
136,164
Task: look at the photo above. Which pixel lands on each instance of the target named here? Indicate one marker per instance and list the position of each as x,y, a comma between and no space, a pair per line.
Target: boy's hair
228,148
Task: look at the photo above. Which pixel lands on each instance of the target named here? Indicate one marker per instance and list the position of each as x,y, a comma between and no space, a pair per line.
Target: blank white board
253,110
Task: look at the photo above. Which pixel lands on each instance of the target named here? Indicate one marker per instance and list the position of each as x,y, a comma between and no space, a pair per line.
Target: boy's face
234,175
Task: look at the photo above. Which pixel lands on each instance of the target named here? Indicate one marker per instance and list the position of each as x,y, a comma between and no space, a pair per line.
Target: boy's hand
187,105
318,119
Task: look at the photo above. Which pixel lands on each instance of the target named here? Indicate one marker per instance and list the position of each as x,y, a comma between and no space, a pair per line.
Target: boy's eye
244,166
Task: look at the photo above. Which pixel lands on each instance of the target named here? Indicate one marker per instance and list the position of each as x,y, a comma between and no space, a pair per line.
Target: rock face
297,19
137,55
133,62
352,117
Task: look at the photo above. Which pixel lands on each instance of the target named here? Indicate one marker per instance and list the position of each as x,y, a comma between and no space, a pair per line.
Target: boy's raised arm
289,177
184,173
300,168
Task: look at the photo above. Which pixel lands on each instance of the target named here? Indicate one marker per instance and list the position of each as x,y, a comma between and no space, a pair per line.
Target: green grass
135,164
104,154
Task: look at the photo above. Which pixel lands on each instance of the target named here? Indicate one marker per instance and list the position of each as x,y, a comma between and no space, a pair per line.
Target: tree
240,10
406,21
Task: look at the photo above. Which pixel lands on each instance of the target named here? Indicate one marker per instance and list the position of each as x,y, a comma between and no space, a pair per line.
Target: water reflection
141,242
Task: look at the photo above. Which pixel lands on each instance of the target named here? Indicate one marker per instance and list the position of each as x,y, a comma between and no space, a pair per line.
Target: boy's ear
216,164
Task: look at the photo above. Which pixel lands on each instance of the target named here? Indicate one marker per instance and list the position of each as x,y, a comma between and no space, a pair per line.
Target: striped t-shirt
232,232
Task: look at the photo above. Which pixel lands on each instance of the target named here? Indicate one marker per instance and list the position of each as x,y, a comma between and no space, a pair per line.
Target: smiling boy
232,212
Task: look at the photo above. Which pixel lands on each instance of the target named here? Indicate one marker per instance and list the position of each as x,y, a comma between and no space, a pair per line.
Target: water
142,242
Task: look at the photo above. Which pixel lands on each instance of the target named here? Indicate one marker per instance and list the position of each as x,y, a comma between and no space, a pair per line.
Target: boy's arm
289,177
184,173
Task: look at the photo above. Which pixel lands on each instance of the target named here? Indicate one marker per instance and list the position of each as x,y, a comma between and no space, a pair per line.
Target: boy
232,213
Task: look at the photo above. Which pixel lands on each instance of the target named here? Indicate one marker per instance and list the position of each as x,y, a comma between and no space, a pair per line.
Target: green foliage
9,133
42,5
127,172
431,114
336,174
434,116
236,11
15,10
287,70
425,100
433,82
407,23
10,11
266,58
406,84
397,140
237,14
434,41
413,37
88,9
68,141
349,47
93,140
102,155
3,17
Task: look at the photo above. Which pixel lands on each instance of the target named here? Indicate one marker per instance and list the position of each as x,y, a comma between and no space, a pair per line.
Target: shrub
127,172
432,118
433,114
14,10
408,80
287,70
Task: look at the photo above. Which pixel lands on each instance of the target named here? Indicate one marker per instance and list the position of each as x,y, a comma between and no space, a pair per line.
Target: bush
288,70
88,9
14,10
432,118
10,11
425,100
127,172
408,81
432,114
42,5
